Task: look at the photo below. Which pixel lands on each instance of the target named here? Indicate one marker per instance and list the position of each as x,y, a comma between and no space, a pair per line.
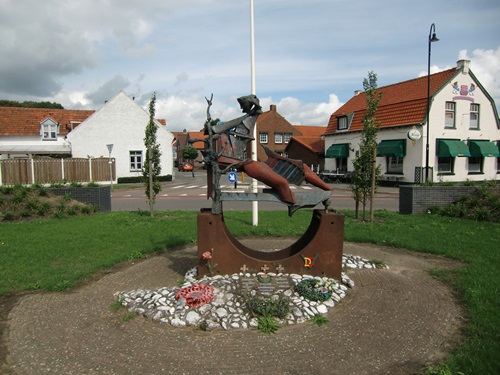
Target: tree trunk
151,192
372,191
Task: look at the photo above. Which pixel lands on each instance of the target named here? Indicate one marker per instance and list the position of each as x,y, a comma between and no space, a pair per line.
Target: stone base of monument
318,252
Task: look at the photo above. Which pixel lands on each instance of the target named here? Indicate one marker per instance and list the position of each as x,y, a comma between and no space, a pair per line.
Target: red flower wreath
196,295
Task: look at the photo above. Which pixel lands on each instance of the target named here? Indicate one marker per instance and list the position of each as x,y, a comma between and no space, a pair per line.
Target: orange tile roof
403,103
315,144
310,131
26,121
198,135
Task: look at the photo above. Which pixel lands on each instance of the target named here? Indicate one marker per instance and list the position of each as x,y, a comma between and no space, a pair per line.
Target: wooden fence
47,171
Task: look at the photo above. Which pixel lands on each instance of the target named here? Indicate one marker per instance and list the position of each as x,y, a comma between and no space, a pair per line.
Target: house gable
277,129
121,122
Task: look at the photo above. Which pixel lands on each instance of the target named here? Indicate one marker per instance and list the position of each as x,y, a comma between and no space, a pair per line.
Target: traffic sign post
233,179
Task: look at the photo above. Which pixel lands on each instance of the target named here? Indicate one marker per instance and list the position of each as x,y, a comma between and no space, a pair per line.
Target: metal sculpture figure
321,245
226,149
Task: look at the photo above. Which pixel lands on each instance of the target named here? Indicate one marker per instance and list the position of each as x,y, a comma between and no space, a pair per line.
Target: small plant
204,325
137,254
86,209
207,255
116,305
6,190
181,281
129,316
92,184
267,324
40,189
8,216
20,195
44,208
75,184
58,184
72,210
268,307
442,370
66,198
32,203
319,320
62,285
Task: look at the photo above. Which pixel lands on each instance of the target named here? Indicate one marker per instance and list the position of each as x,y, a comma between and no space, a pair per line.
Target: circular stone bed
221,301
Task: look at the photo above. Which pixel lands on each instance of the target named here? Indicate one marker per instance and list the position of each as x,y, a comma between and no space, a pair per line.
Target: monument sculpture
317,252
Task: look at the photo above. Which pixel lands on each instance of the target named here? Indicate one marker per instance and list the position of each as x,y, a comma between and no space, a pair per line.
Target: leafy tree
366,173
30,104
152,169
189,153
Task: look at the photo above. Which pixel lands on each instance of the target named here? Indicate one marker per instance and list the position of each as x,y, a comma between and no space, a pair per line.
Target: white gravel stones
228,309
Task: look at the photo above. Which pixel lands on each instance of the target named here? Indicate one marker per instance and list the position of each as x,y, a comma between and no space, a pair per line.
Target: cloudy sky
310,55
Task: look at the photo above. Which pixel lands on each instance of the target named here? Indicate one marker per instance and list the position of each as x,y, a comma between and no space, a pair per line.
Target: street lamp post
432,38
110,148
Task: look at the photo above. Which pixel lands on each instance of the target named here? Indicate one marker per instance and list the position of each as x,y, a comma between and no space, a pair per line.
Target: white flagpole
255,204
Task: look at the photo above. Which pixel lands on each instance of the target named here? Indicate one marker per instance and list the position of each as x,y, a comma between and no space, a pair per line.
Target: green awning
396,147
338,151
452,147
483,148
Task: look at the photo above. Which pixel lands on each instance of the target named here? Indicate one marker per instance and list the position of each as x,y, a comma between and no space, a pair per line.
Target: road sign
231,177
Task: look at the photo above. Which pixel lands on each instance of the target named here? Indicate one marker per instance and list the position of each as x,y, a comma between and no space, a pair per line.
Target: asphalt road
186,192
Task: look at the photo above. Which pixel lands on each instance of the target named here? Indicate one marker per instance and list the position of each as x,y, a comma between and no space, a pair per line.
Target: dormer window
49,130
342,124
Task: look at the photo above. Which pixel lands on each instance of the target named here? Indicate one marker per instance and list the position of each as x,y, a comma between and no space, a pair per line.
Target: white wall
488,129
121,122
415,155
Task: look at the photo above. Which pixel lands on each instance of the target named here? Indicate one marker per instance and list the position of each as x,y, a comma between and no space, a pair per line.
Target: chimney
357,92
272,108
464,65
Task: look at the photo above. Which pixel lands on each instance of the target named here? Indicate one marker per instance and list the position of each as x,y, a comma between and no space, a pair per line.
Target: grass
60,253
319,320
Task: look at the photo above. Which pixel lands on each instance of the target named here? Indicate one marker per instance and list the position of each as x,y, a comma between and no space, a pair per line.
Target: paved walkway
395,321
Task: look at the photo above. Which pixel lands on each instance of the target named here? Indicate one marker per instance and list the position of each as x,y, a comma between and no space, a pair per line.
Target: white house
121,122
464,130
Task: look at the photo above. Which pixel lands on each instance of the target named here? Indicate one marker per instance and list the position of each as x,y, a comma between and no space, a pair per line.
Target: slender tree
152,169
366,172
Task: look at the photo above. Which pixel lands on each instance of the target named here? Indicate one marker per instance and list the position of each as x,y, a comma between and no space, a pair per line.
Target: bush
482,205
268,307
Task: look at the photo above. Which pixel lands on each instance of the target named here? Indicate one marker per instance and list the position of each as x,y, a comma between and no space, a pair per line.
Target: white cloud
82,52
485,64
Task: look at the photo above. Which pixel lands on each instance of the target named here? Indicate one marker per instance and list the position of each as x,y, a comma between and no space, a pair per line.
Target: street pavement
186,192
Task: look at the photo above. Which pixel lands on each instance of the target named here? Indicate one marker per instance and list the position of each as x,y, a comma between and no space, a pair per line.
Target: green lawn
55,254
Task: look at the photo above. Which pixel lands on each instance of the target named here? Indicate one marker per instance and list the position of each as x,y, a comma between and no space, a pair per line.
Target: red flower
207,255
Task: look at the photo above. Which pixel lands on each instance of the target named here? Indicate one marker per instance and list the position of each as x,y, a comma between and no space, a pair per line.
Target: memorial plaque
247,284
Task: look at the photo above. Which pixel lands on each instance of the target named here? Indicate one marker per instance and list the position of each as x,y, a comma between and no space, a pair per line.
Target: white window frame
395,164
49,130
475,164
342,124
341,165
136,161
278,138
288,136
474,116
447,161
449,115
263,137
